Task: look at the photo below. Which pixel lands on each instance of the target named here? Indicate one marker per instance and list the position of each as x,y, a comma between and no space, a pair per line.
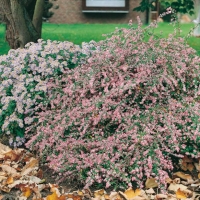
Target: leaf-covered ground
21,177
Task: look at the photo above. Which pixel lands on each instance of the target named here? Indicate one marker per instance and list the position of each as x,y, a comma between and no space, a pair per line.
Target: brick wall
70,11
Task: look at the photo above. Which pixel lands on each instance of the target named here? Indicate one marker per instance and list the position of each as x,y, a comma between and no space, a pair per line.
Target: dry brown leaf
74,197
187,160
198,175
39,174
54,189
197,166
19,183
4,149
129,194
4,188
180,194
115,196
175,187
99,193
26,191
143,194
1,156
139,198
171,197
188,193
151,183
161,196
29,166
9,180
34,179
37,190
37,198
8,169
168,180
106,196
52,197
63,197
150,191
184,166
1,197
182,175
190,167
80,193
3,178
196,196
11,155
177,181
3,173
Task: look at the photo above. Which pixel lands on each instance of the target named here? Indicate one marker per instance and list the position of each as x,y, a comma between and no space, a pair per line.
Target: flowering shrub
24,74
119,118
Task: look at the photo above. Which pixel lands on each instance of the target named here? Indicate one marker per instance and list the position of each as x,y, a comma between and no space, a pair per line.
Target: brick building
95,11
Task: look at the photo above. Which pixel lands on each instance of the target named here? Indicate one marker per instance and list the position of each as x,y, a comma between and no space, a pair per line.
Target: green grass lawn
78,33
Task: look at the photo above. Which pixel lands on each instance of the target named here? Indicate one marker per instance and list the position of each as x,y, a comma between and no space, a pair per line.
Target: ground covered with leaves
22,177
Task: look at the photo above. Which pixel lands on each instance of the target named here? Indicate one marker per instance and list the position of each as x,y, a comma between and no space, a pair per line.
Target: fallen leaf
177,181
11,155
4,188
151,183
130,193
139,198
9,180
115,196
198,175
187,160
19,183
197,166
182,175
184,166
150,191
80,193
180,194
171,197
9,170
106,196
26,191
39,174
175,187
196,196
63,197
72,196
4,149
37,190
168,180
54,189
99,192
3,178
161,196
35,179
52,197
190,167
29,166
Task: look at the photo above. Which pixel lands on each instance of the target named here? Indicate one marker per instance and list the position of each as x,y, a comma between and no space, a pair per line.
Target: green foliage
47,13
181,6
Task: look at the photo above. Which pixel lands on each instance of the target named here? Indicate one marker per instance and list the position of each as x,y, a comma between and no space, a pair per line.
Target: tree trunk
18,15
37,17
11,34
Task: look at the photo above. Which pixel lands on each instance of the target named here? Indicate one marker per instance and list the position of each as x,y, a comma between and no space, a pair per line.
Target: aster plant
24,75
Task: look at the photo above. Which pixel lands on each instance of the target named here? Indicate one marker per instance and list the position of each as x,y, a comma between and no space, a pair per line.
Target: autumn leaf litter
20,172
